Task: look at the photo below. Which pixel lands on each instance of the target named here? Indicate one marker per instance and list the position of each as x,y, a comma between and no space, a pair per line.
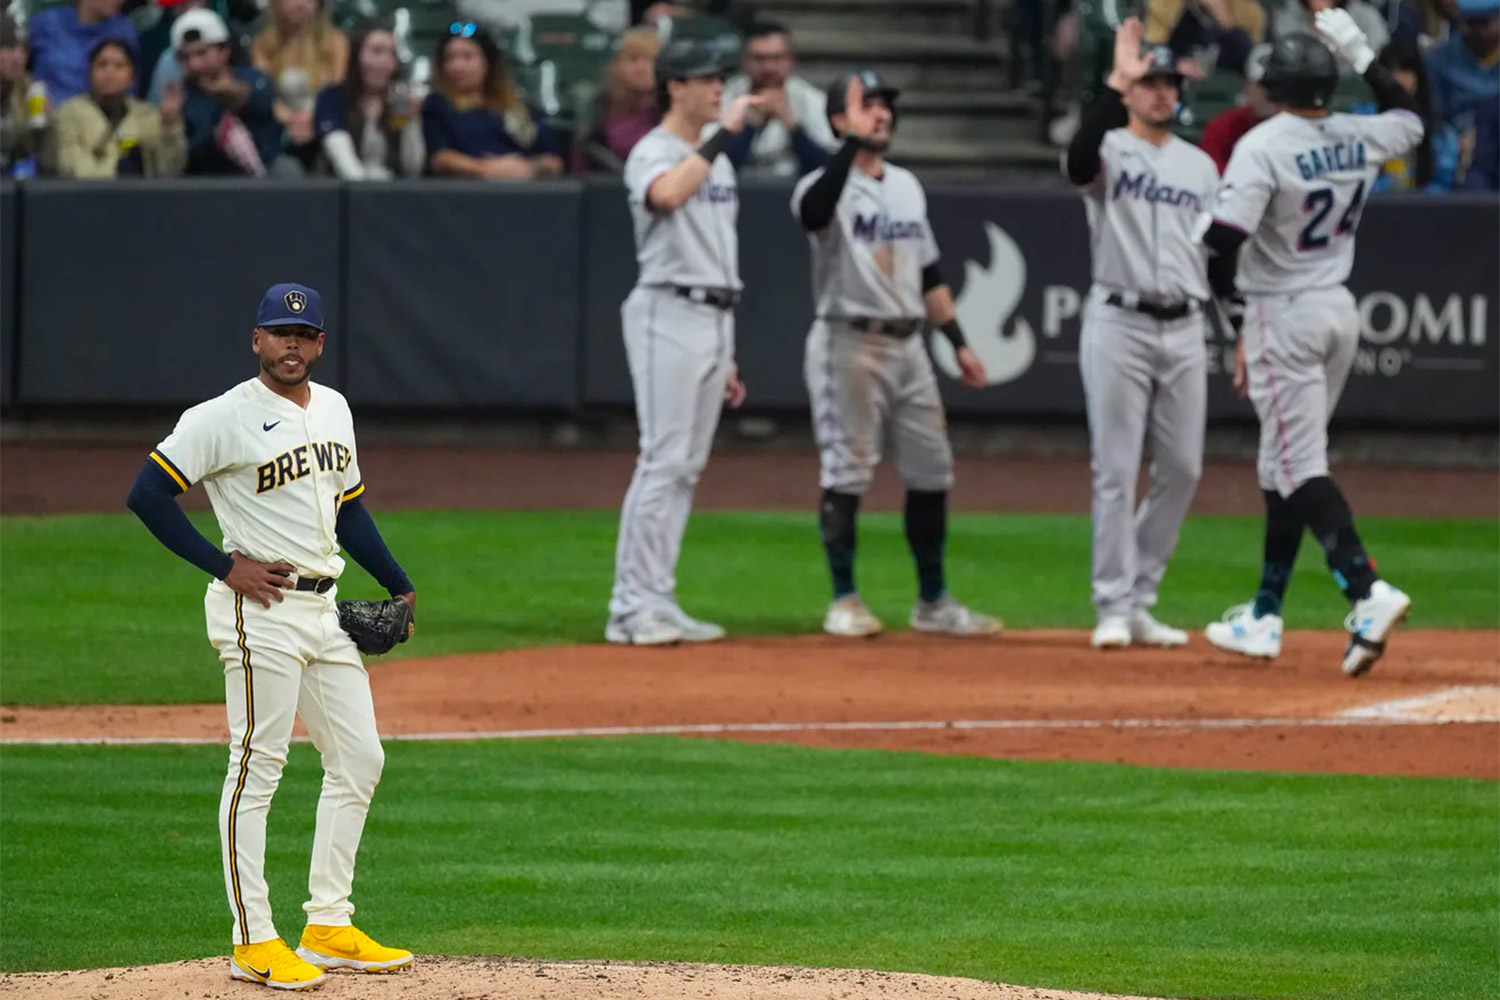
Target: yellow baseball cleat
349,948
272,963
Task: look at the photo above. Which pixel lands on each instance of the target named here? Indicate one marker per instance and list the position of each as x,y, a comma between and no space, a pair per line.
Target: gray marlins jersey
1143,211
869,261
1297,187
696,245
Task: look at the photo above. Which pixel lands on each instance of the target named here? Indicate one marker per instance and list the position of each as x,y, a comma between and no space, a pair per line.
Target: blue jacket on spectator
200,118
60,48
480,131
1465,94
810,155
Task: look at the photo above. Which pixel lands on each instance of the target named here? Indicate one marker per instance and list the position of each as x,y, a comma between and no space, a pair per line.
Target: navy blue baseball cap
289,304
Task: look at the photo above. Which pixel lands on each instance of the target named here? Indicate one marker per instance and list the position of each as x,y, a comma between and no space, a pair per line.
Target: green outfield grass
97,611
1163,883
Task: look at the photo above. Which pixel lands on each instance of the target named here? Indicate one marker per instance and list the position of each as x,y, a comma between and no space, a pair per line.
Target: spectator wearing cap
1224,131
1432,165
789,135
475,123
1297,16
627,107
228,115
109,132
62,38
1206,34
1465,77
367,131
157,65
22,126
301,52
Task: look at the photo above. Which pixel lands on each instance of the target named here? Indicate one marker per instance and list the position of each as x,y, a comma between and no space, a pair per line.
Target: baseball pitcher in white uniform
876,286
277,457
1141,351
1282,232
679,334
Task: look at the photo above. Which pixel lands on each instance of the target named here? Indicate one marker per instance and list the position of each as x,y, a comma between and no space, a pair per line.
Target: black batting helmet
874,85
1161,61
686,59
1300,71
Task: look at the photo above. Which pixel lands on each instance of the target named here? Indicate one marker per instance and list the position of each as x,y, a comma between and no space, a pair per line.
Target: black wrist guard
714,145
955,334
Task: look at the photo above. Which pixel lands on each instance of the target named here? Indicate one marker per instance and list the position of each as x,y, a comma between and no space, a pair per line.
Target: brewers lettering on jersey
876,283
277,456
1282,233
1141,351
679,334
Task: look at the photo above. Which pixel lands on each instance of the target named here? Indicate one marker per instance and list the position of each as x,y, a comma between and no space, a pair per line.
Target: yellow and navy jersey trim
171,470
352,493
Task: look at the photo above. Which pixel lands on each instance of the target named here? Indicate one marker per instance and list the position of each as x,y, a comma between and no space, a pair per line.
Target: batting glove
1344,37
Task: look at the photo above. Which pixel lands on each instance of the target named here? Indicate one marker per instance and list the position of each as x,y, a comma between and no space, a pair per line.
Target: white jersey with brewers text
276,473
696,245
1143,210
1297,186
868,262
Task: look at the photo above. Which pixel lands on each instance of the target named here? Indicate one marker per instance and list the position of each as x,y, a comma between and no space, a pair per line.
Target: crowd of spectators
82,94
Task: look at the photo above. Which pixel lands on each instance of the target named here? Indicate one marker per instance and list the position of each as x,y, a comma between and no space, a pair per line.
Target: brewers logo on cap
290,304
296,301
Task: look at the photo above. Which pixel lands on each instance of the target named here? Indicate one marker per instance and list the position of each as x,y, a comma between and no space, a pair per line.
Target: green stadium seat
559,62
724,35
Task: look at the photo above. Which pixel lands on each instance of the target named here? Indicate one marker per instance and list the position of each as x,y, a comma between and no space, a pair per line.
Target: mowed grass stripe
97,612
1162,883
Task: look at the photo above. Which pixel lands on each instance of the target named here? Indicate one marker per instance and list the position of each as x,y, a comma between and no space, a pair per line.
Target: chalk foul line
732,728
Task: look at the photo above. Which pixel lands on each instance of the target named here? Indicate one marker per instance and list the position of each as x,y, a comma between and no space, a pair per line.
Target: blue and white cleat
1373,619
1241,632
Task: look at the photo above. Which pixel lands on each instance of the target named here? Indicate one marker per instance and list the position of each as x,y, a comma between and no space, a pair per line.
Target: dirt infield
1430,708
523,979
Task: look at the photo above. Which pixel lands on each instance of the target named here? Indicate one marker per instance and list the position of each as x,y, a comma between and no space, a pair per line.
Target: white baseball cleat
691,628
1147,631
1241,632
1112,632
1373,619
643,629
849,617
947,616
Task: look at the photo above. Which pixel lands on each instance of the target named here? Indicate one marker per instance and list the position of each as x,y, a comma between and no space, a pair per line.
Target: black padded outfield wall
453,296
9,262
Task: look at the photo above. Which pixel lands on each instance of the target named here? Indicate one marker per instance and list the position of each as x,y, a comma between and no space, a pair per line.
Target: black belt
719,298
316,584
1163,311
889,327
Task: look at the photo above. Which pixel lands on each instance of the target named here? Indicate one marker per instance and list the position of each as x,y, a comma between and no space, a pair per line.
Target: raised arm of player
821,199
1083,164
1338,29
671,190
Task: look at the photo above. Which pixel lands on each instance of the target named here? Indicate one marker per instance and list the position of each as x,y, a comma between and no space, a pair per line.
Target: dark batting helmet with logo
1161,61
1300,71
686,59
875,86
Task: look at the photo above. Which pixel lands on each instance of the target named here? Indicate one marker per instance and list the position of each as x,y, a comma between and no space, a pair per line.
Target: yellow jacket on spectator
86,146
1162,16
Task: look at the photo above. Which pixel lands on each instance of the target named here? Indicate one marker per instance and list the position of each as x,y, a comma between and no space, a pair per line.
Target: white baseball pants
680,353
292,659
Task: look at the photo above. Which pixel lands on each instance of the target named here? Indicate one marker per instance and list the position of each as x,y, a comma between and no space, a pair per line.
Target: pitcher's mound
524,979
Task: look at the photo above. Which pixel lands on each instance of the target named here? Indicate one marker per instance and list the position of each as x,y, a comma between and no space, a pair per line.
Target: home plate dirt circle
525,979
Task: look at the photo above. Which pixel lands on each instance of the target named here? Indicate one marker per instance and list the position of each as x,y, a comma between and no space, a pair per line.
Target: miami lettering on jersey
291,466
1314,163
879,228
1144,187
716,194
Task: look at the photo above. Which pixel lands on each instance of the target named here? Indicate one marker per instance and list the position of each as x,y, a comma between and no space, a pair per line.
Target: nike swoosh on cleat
266,427
263,975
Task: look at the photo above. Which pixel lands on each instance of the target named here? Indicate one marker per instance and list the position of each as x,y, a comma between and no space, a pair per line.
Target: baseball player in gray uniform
1141,351
1282,231
679,334
876,284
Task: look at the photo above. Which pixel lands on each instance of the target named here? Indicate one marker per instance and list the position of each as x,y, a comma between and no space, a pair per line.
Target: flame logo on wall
991,294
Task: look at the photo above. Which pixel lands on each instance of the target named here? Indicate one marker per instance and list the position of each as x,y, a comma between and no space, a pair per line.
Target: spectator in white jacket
367,131
789,135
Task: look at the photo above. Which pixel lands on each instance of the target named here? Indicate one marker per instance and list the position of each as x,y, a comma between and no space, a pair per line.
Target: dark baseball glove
377,626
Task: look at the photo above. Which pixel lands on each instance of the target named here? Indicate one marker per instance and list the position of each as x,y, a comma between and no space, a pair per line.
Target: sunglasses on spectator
463,29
